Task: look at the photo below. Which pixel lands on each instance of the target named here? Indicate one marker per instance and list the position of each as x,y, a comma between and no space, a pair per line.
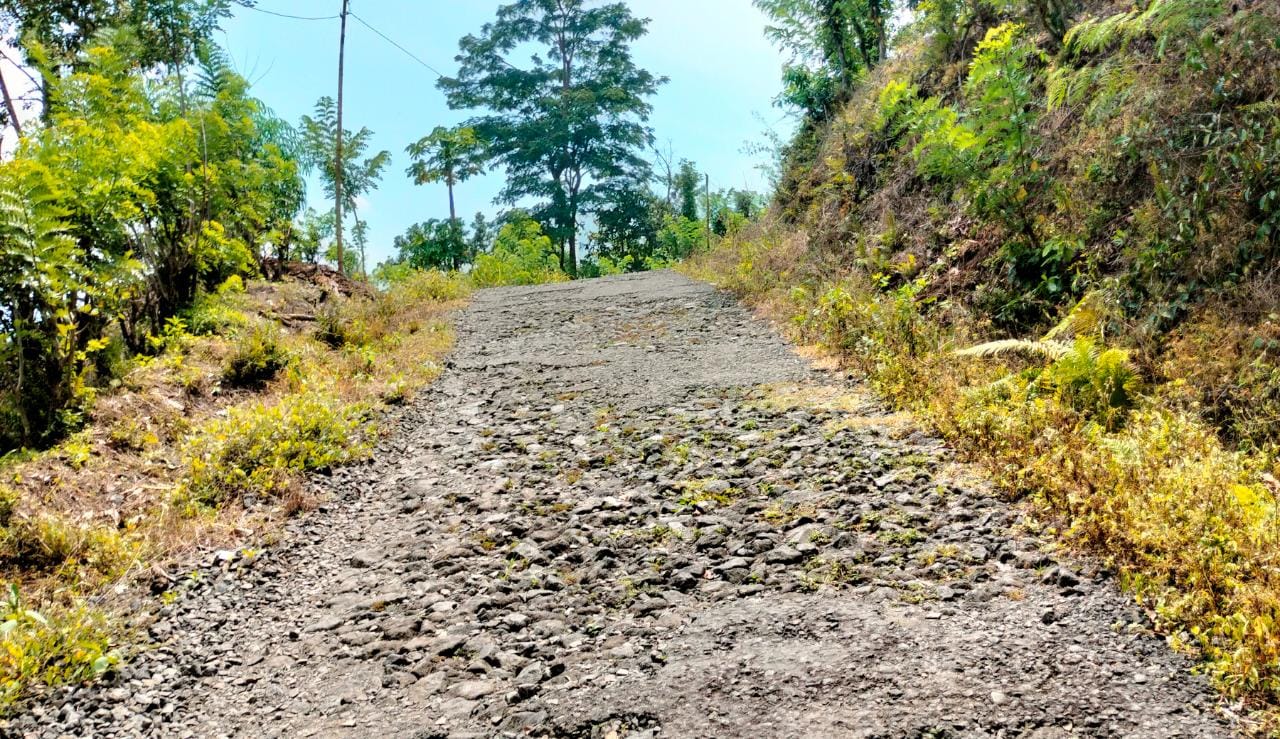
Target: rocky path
628,510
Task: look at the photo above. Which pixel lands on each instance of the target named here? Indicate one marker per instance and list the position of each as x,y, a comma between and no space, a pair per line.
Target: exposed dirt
630,510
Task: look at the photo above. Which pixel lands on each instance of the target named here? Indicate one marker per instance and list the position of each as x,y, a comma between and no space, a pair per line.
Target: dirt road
629,510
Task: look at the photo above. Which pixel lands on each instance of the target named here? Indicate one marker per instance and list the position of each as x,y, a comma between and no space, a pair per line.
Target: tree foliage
360,173
434,244
155,175
832,43
567,120
448,155
522,255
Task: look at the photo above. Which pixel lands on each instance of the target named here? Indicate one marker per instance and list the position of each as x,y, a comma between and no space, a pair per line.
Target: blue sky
723,78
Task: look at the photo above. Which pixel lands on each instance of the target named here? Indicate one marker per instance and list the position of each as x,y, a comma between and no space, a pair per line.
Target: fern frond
1043,348
1096,34
1162,20
1086,318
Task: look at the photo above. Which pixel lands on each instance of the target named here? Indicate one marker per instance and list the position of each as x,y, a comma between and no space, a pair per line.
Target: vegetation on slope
202,442
1052,232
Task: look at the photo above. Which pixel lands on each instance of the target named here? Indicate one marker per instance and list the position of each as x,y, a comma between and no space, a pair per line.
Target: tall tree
832,42
359,173
448,155
568,119
687,181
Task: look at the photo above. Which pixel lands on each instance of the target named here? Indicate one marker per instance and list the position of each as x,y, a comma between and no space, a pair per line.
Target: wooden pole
337,173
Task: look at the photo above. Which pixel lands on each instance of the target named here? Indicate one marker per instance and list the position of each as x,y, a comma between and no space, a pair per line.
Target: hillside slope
1060,248
203,444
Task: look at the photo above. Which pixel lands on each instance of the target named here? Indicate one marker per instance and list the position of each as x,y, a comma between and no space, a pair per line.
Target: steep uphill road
629,510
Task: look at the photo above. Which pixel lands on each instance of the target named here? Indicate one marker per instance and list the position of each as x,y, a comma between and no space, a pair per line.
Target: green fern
35,249
1088,317
1037,348
1162,20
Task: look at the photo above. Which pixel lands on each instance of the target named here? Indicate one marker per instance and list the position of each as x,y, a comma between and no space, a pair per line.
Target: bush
8,502
521,255
427,284
58,646
51,544
213,314
260,449
257,359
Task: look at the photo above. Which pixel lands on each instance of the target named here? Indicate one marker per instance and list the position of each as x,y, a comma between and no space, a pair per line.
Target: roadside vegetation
1050,231
203,442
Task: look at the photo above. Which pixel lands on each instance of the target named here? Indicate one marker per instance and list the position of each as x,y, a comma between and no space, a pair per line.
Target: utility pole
707,199
337,173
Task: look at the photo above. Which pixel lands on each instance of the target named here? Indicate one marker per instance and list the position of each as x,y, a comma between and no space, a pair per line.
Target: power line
245,4
363,22
391,41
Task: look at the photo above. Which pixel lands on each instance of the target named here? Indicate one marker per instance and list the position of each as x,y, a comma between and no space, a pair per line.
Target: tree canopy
567,119
448,155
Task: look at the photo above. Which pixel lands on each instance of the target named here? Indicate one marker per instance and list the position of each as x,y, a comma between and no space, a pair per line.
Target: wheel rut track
629,510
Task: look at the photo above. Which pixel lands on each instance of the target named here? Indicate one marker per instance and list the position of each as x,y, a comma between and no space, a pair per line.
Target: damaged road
630,510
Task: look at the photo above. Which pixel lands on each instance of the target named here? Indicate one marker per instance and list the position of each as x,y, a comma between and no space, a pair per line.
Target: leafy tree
481,237
191,189
360,240
360,173
433,244
627,224
746,203
140,190
521,255
679,237
832,43
568,120
310,233
448,155
688,182
54,33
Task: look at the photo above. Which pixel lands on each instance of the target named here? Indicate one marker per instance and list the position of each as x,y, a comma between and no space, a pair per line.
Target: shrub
8,502
1097,382
331,328
522,255
260,449
58,646
427,284
213,314
258,357
131,435
51,544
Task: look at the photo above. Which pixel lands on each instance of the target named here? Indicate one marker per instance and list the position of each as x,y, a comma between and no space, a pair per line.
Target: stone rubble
628,510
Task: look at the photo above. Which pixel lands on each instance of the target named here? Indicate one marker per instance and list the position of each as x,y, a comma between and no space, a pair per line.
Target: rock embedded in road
628,509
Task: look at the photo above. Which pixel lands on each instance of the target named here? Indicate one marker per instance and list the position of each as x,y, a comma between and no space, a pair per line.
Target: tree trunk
10,108
882,41
453,214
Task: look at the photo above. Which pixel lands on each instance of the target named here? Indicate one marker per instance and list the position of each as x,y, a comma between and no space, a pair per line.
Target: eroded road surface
629,510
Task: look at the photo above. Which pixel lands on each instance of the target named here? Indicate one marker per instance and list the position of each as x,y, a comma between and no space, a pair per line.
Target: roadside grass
206,442
1131,476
